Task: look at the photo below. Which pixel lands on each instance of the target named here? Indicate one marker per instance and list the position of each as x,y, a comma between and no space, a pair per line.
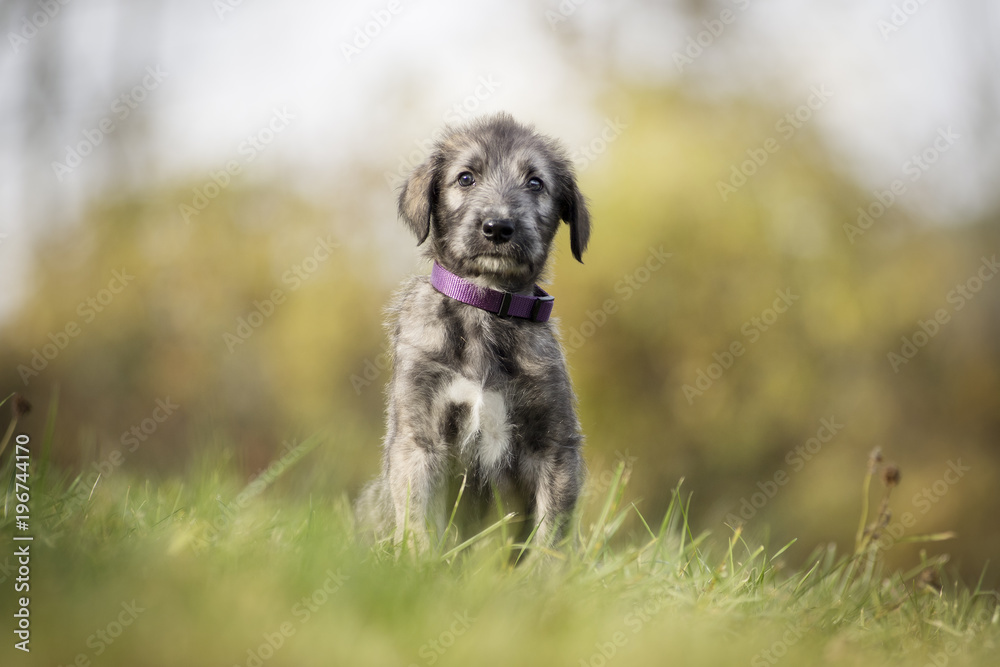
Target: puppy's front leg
557,487
418,495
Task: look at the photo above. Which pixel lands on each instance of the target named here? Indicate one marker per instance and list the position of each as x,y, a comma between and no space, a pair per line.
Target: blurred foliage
133,570
314,361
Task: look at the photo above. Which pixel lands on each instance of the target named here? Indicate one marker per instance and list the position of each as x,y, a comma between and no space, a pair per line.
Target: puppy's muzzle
498,230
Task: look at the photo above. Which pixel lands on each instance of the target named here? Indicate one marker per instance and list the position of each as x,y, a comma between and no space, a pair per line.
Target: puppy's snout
498,231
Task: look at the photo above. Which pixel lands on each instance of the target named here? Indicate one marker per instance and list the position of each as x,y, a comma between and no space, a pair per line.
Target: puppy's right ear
416,200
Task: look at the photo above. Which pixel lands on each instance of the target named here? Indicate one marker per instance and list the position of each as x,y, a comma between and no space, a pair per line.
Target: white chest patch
485,437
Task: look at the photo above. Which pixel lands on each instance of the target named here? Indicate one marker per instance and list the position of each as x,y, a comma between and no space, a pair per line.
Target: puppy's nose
498,231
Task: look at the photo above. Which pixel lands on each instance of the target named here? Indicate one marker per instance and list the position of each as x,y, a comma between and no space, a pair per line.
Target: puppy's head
489,198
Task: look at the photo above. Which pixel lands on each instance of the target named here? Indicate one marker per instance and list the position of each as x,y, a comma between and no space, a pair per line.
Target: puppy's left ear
416,200
573,209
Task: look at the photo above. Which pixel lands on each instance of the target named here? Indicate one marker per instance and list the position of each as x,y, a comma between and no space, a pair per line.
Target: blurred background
795,237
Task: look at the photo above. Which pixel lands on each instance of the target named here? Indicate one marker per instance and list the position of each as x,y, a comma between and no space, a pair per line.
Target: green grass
203,581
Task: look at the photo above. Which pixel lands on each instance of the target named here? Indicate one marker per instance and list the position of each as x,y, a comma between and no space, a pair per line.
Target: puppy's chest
497,354
485,400
484,380
476,423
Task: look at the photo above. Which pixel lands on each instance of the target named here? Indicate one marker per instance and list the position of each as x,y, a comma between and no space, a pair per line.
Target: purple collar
535,308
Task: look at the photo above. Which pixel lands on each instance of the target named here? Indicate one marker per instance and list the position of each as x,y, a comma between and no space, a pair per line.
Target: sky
315,88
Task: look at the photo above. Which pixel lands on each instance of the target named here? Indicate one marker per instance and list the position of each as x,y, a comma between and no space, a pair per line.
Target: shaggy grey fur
474,396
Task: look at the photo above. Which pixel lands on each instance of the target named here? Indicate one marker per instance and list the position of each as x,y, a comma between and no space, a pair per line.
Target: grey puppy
479,402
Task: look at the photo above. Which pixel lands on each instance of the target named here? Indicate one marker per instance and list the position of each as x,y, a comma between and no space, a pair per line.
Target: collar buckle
537,306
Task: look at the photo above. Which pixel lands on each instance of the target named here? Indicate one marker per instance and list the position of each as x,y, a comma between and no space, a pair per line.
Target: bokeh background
165,168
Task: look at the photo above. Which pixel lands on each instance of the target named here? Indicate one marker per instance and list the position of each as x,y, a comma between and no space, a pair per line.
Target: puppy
480,401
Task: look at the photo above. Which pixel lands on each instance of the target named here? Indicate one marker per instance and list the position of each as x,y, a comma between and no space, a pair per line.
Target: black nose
498,231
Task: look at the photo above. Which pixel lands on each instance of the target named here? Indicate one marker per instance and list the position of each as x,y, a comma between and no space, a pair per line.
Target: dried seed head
874,459
930,578
890,475
20,406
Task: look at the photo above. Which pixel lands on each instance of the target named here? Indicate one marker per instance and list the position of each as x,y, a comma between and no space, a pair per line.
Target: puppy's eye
465,179
535,184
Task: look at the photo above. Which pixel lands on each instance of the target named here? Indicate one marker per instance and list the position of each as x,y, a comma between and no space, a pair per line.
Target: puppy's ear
573,209
416,200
